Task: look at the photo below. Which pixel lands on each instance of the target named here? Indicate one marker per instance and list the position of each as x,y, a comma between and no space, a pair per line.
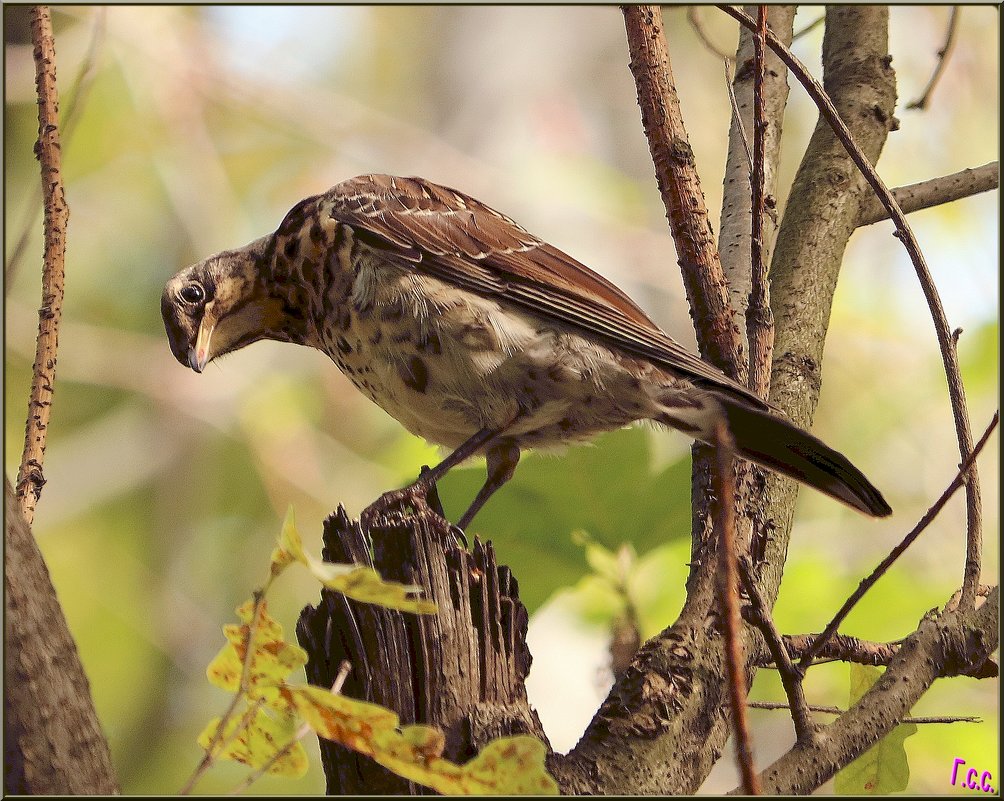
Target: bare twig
77,93
218,741
737,115
939,68
697,25
835,710
791,677
759,319
301,732
680,186
876,574
956,390
57,214
728,595
934,192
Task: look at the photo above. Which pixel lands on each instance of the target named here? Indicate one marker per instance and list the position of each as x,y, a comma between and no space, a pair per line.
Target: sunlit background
195,129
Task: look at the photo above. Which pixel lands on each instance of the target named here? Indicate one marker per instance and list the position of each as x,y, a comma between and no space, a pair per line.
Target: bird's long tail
771,441
774,442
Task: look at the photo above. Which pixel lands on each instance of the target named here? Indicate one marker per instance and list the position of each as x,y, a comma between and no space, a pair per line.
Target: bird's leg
502,460
415,493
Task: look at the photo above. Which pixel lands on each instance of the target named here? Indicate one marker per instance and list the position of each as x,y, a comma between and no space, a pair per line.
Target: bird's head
220,305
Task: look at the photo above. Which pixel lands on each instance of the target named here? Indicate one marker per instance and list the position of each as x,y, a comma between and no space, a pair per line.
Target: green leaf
609,489
883,768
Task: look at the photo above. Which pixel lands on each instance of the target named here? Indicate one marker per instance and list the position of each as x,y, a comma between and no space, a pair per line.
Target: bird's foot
421,496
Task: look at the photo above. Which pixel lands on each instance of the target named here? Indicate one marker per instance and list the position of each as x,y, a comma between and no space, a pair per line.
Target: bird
475,335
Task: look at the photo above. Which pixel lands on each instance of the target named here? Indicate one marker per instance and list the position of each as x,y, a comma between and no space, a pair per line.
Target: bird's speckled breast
446,363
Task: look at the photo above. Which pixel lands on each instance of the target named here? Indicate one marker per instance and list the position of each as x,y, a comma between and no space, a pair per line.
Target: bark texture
53,744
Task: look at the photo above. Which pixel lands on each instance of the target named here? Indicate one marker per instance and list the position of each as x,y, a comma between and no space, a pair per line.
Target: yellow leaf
260,739
272,660
361,583
364,584
508,766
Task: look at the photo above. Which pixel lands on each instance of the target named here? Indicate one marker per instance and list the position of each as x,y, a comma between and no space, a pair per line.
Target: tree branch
835,710
680,186
29,477
949,354
728,601
934,192
967,470
944,644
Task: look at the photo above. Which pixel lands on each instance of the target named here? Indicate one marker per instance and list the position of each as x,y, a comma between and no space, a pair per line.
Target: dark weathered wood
461,669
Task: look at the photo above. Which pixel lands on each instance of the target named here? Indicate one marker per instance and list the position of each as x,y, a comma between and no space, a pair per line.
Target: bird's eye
192,293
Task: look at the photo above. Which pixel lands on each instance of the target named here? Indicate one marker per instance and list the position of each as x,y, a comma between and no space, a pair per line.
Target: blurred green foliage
201,126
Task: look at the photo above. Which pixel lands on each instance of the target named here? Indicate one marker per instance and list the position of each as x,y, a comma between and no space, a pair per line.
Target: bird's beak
200,353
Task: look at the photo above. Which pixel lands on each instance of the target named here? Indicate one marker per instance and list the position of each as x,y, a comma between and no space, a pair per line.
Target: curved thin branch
866,584
57,213
956,390
943,54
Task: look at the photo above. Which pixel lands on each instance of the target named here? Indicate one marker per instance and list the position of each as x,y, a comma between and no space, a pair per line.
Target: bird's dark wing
458,239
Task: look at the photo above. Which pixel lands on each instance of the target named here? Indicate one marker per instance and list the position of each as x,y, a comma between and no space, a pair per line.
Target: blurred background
194,129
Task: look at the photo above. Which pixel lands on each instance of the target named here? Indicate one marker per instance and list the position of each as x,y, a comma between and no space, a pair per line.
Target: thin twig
939,68
835,710
759,319
728,595
57,214
949,354
934,192
867,583
695,23
301,732
77,93
737,115
217,741
791,677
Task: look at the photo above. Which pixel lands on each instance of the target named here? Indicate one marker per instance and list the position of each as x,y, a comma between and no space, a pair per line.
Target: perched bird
475,335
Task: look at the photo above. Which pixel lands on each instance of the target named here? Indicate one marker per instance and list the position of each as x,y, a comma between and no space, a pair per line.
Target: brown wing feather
460,240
